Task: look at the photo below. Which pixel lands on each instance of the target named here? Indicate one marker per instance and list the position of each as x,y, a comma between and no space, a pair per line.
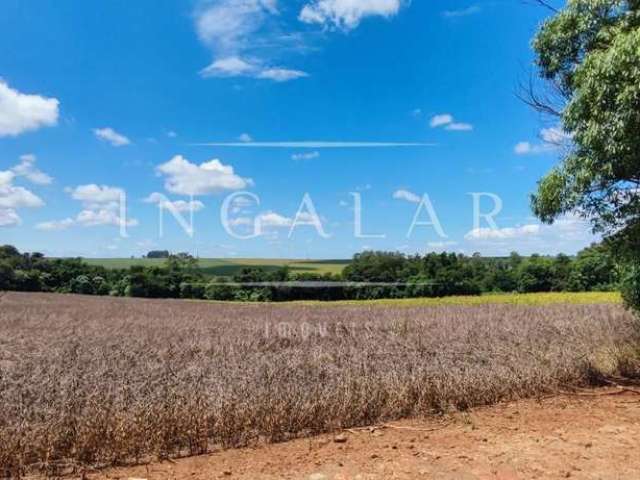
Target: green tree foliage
371,275
590,51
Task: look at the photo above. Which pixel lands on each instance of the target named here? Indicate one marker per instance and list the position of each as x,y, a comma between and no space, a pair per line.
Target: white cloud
305,156
447,121
245,138
552,140
26,168
440,120
347,14
274,220
229,67
459,127
171,134
554,135
241,222
102,216
407,196
243,36
186,178
464,12
9,218
111,136
13,197
442,245
278,74
271,220
92,194
18,197
6,177
20,113
55,225
240,204
503,233
101,206
568,234
177,205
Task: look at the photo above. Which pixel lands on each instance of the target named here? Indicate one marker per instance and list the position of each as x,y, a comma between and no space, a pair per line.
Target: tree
590,51
158,254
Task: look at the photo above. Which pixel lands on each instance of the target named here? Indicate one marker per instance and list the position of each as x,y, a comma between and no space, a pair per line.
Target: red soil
590,436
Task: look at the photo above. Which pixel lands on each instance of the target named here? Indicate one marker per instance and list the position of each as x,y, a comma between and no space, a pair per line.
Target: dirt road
583,437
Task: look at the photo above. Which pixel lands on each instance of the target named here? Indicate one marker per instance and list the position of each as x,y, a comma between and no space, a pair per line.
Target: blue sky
389,99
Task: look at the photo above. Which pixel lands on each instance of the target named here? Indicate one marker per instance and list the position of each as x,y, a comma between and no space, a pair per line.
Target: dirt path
584,437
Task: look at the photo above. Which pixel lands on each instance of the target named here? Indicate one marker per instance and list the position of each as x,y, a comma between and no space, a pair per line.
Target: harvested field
90,381
587,436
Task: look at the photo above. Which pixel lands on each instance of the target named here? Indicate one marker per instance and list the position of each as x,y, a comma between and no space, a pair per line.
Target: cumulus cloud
26,168
93,194
103,216
440,120
55,225
552,140
568,234
111,136
101,207
447,121
245,138
9,218
13,197
347,14
20,112
274,220
503,233
244,36
177,205
407,196
271,221
185,178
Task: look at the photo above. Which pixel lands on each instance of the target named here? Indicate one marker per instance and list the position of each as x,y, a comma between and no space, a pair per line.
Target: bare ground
594,435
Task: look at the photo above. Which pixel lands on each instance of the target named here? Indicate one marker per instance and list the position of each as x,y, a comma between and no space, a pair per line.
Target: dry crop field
91,381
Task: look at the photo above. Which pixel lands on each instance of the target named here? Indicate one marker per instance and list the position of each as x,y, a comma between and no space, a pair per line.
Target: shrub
631,288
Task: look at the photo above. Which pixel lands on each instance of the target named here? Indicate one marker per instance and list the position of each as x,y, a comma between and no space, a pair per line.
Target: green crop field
228,267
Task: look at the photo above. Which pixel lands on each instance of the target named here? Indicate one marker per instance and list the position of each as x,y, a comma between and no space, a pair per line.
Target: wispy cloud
463,12
407,196
250,38
447,121
314,144
109,135
245,38
305,156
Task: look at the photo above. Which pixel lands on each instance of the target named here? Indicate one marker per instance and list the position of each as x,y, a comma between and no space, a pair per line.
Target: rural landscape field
228,267
116,381
319,240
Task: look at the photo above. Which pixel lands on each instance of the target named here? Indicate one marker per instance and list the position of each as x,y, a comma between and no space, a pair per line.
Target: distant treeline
370,275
